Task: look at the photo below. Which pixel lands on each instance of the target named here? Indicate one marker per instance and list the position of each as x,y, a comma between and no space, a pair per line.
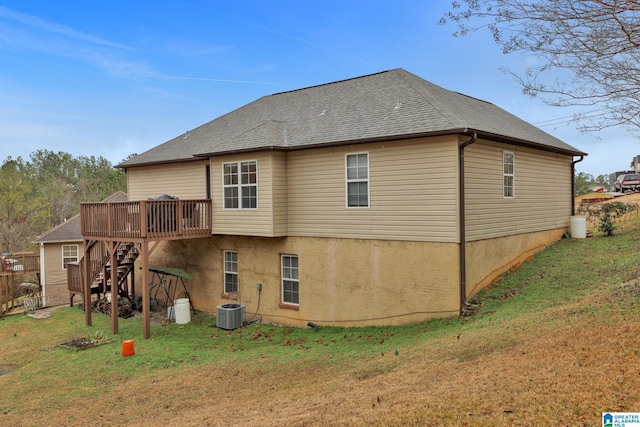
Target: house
59,246
382,199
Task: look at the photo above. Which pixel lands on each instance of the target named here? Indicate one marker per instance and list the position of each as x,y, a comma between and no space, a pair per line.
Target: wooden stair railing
126,255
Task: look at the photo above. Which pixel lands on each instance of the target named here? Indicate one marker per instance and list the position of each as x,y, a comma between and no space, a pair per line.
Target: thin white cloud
63,41
292,37
188,48
207,79
52,27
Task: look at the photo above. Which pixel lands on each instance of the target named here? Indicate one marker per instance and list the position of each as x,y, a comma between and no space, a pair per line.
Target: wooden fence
17,269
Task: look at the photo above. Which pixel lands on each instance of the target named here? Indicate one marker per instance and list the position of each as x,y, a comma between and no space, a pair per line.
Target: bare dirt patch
5,369
79,344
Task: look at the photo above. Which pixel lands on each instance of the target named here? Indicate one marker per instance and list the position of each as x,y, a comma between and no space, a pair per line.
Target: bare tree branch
586,52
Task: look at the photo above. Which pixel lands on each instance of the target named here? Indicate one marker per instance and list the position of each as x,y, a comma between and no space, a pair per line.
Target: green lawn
588,283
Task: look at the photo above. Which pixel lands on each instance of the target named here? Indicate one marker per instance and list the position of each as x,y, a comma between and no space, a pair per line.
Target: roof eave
455,131
159,162
525,143
58,241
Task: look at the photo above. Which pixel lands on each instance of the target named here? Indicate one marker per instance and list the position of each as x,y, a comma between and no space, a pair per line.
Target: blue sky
112,77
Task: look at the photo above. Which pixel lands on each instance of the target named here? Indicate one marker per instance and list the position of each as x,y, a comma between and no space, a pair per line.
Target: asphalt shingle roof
388,105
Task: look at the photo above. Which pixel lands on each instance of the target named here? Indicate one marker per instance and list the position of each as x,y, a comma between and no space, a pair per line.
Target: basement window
290,281
230,272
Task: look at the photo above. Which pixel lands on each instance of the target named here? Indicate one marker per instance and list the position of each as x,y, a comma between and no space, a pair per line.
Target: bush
607,213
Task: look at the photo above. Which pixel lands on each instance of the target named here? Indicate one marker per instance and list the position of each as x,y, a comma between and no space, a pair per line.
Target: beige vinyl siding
245,222
412,192
279,185
542,191
53,262
55,276
184,180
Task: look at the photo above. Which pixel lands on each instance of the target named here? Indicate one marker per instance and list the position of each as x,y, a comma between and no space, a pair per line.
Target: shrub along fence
611,216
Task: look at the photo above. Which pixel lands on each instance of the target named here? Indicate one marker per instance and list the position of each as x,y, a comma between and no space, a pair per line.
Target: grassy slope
554,343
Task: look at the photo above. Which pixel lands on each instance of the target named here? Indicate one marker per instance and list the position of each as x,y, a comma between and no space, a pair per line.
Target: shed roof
392,104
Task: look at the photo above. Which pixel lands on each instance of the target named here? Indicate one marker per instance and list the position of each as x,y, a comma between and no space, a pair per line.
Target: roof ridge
271,125
58,226
334,82
419,87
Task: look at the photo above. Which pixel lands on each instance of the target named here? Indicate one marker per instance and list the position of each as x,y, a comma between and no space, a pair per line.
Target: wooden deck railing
75,270
74,278
20,263
16,268
147,219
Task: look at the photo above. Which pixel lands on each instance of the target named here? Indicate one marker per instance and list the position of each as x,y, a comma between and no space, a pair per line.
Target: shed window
508,175
357,171
69,254
240,183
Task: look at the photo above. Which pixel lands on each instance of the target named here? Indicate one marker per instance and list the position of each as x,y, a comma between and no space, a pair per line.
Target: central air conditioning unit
229,316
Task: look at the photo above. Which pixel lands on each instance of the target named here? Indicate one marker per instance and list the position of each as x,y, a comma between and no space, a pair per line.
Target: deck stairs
126,256
100,272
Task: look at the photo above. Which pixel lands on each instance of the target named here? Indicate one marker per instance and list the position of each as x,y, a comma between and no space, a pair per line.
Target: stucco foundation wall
487,259
343,282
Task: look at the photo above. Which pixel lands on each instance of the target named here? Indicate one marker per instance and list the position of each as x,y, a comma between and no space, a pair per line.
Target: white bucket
182,310
578,226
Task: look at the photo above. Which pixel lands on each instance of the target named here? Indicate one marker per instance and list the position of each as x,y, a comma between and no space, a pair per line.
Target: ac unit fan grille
229,316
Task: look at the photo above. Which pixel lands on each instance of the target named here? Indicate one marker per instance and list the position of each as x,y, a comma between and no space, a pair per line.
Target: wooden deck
106,227
146,220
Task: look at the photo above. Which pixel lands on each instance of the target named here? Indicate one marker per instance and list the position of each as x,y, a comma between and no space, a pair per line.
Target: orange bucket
127,348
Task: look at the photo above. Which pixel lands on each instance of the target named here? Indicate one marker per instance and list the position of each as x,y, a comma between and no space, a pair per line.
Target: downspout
573,185
462,222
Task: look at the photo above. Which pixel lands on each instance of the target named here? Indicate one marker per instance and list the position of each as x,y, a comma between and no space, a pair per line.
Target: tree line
585,182
46,190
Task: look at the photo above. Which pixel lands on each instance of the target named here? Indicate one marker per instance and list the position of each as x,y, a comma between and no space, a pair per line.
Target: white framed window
240,185
230,272
290,280
508,175
69,254
357,177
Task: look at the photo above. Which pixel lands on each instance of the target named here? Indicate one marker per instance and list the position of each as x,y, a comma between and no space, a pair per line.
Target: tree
588,51
55,177
48,190
66,181
582,182
603,180
23,213
97,179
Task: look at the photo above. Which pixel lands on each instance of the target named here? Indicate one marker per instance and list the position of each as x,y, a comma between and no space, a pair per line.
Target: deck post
114,286
2,280
146,312
86,286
